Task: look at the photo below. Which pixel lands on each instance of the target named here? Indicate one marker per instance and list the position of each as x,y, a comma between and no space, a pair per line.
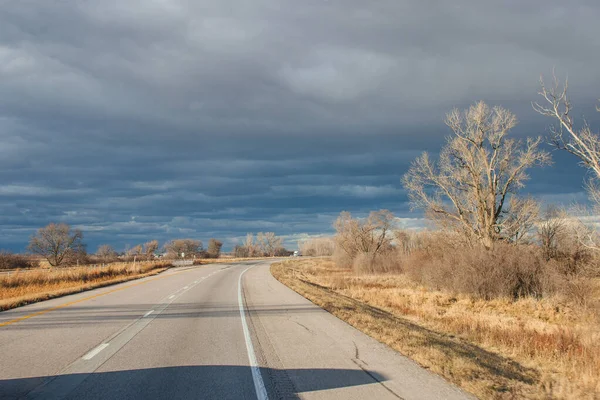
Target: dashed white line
171,296
95,351
148,313
185,287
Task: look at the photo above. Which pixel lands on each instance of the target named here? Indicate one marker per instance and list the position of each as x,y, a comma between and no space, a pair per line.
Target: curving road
222,331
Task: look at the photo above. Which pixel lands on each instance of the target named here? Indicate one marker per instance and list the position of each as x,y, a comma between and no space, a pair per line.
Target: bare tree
57,243
520,221
214,248
188,247
268,242
323,246
250,246
551,230
368,236
106,253
240,251
150,248
135,251
479,171
582,143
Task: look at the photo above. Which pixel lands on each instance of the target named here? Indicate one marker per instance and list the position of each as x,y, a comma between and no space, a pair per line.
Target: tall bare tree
268,242
150,248
57,243
582,143
480,169
368,236
250,246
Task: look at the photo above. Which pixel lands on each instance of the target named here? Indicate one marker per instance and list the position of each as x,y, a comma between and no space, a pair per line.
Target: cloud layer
160,119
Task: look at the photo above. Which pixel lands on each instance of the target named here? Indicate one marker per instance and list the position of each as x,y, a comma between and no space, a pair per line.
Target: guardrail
182,263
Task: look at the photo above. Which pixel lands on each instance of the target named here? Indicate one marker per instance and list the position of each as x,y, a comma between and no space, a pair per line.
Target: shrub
342,259
381,263
214,248
13,261
507,270
317,247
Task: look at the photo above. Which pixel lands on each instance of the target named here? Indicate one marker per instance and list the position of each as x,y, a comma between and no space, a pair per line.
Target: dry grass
496,348
29,286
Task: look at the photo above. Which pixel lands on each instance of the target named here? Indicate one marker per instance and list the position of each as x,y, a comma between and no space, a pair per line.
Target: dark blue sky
160,119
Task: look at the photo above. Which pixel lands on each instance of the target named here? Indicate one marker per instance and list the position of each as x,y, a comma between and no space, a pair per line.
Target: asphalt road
222,331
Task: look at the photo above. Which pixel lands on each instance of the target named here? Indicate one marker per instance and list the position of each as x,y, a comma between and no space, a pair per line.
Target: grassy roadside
493,349
31,286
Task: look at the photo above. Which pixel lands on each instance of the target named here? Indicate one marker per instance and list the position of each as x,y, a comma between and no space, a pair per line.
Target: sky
154,119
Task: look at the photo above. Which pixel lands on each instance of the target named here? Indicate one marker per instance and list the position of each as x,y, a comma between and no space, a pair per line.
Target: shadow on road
185,382
90,314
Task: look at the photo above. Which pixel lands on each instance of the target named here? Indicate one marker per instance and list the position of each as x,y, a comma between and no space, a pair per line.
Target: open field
494,349
26,286
29,286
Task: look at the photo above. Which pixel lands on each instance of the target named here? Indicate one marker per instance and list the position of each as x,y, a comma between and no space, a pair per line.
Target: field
497,348
29,286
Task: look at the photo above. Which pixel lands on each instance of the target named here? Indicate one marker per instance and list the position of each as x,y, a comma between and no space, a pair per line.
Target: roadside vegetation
496,349
502,296
58,264
29,286
263,244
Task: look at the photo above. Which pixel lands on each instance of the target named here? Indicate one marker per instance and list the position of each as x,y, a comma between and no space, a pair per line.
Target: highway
220,331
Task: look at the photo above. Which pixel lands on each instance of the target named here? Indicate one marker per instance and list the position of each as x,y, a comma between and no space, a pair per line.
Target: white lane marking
148,313
94,352
259,384
185,287
171,296
75,373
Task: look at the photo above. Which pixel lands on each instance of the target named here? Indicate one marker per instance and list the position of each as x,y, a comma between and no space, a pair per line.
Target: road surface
221,331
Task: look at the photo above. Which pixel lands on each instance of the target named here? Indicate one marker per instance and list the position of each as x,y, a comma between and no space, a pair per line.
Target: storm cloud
160,119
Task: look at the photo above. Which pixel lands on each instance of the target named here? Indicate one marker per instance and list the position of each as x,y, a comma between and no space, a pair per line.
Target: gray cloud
140,119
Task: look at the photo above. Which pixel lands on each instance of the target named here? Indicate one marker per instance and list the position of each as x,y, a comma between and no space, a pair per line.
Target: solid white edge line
259,384
95,351
148,313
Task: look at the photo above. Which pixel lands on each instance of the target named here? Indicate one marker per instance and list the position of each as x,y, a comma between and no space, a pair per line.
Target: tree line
473,187
263,244
59,244
490,240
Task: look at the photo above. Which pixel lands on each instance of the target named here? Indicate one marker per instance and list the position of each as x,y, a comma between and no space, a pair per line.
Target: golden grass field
32,285
496,349
29,286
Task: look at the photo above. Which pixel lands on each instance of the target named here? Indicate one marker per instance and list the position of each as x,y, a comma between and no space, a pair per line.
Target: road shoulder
318,354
